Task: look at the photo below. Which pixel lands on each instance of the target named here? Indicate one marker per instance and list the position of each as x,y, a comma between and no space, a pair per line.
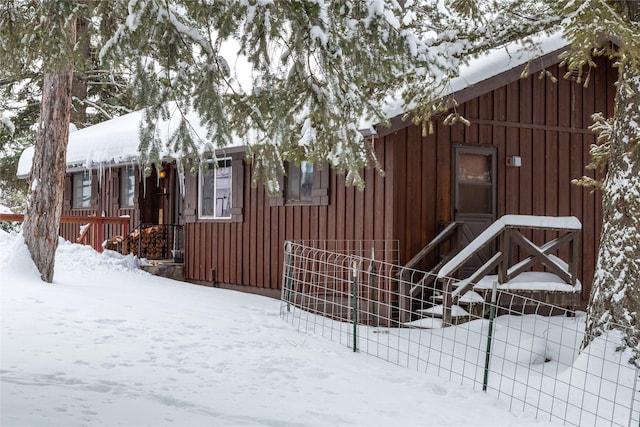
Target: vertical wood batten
380,184
261,223
429,205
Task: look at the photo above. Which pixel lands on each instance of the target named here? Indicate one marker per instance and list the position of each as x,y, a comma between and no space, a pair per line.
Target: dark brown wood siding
544,123
251,252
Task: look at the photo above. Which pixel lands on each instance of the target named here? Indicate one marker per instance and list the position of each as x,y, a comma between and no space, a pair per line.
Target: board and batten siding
250,252
544,123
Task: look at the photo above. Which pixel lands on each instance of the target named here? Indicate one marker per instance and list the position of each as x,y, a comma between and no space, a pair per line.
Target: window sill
212,219
299,203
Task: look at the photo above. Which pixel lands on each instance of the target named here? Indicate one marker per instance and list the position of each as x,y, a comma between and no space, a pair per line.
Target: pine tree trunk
615,297
44,202
79,87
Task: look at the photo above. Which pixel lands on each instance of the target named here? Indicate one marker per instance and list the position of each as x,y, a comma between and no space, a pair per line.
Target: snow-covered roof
116,141
489,65
506,58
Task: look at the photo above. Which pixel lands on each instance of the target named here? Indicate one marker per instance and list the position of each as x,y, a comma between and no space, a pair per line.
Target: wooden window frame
124,178
485,150
86,177
213,173
319,191
192,195
289,184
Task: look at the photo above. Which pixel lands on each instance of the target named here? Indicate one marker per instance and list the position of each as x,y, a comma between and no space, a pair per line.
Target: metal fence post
447,302
372,276
355,306
634,393
287,270
492,314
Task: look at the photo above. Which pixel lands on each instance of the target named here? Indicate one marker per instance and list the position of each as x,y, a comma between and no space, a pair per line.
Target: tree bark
79,87
615,295
46,183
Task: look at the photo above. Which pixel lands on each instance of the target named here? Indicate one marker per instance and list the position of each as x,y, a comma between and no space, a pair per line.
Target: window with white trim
215,190
82,190
127,187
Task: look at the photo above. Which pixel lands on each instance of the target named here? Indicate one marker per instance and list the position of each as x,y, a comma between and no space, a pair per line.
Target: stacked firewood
114,244
152,243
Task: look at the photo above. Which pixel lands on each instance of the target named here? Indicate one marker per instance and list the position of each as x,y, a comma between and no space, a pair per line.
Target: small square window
82,190
303,184
215,191
299,182
127,187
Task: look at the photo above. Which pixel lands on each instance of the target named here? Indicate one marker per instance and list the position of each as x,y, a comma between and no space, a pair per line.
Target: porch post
100,233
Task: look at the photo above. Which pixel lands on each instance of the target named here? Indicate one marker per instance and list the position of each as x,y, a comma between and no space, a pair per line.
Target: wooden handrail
443,236
498,227
506,229
452,230
12,217
98,221
82,238
72,219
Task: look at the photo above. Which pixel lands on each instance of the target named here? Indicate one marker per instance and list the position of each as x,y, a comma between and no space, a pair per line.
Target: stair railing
506,231
451,234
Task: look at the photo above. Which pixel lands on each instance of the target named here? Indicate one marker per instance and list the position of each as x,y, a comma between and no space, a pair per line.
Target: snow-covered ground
107,344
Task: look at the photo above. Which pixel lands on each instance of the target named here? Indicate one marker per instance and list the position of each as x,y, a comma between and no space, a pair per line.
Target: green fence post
492,314
355,306
287,270
372,275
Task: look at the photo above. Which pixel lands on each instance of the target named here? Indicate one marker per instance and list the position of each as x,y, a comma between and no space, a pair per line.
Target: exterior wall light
514,161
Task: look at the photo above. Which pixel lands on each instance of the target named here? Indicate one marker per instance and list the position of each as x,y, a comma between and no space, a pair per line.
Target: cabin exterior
527,140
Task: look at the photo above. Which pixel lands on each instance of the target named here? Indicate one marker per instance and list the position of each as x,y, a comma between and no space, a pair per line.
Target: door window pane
474,181
474,168
474,198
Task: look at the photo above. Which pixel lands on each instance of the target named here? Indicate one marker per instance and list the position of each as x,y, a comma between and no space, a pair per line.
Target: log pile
150,242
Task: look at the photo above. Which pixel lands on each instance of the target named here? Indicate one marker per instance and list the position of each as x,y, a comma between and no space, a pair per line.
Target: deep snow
107,344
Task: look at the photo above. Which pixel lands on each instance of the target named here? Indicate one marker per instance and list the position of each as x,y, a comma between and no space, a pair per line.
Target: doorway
474,197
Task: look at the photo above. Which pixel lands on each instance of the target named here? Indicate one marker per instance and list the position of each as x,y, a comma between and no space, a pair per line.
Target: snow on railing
508,221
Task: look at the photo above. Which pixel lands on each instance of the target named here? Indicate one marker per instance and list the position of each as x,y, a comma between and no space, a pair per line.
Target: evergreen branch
19,78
